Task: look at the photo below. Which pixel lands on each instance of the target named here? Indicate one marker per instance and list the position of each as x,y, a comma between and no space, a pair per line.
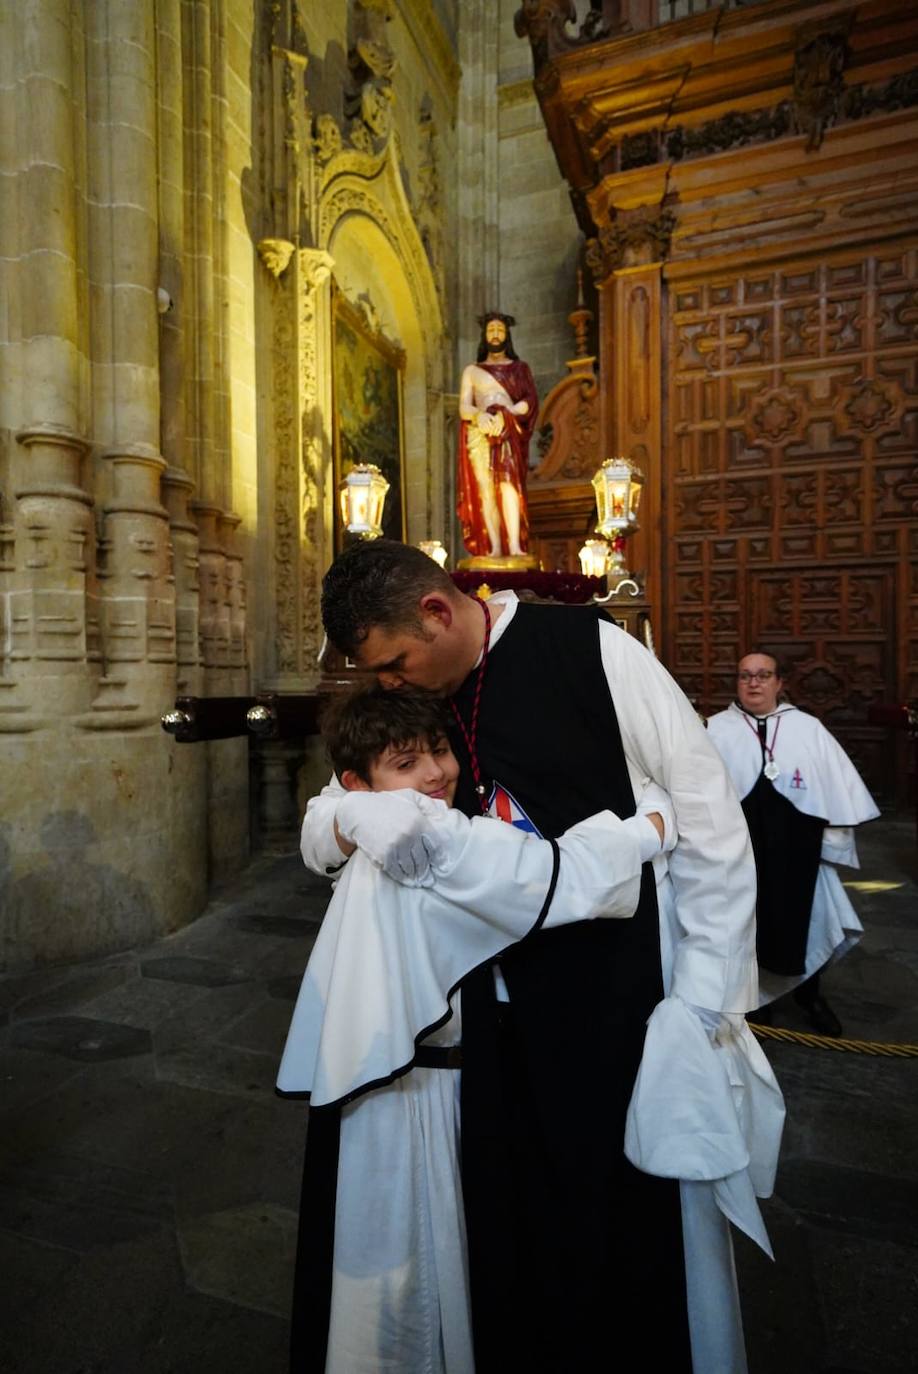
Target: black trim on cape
400,1072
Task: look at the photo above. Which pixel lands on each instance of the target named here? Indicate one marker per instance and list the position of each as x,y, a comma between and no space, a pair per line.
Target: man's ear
353,782
435,604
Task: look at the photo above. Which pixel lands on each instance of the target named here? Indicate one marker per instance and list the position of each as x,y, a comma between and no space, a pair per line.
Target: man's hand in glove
396,830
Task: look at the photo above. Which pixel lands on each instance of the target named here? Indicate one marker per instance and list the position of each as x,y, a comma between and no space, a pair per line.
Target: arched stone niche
366,268
367,241
368,230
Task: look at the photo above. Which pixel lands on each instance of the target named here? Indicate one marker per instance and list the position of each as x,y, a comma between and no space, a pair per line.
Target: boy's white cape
705,1109
387,956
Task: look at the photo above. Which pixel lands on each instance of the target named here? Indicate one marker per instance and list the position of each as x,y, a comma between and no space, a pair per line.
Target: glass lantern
617,485
363,494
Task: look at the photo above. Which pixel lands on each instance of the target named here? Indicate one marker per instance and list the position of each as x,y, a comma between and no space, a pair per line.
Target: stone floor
149,1177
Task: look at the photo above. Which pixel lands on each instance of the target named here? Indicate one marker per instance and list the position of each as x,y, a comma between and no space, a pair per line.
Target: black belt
438,1057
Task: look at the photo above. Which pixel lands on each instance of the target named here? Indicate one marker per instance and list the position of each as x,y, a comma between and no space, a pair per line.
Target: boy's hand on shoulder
394,830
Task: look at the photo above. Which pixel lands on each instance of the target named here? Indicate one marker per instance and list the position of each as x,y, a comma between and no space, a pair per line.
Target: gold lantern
363,494
618,485
594,558
435,550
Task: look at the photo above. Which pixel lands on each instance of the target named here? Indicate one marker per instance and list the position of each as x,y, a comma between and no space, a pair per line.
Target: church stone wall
539,239
158,159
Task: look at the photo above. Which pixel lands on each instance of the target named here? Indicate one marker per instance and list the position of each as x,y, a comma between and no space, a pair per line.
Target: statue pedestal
500,562
624,601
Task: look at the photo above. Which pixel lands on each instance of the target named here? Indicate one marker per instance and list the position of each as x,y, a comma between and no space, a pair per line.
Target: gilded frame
368,406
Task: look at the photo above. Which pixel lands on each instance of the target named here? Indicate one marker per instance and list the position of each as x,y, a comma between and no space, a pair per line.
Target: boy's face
429,767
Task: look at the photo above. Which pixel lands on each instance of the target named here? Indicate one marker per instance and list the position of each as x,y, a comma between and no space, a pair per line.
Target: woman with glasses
802,796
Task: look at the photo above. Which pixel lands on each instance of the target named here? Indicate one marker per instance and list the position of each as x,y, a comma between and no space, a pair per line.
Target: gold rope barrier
832,1042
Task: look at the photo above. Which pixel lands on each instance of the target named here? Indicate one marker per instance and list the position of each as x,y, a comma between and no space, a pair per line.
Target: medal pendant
771,770
480,789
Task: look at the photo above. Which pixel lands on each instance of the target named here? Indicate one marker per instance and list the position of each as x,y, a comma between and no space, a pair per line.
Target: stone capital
316,266
275,254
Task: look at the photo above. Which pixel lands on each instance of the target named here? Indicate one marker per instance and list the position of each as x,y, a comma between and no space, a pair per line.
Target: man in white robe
705,897
802,797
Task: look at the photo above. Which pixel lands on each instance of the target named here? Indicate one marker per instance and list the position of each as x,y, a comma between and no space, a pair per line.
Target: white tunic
384,963
706,898
817,777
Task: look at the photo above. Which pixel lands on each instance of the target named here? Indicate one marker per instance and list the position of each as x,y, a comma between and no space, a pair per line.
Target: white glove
396,830
653,798
711,1020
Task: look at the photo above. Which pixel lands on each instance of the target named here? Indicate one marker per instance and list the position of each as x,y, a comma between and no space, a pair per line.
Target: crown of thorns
490,315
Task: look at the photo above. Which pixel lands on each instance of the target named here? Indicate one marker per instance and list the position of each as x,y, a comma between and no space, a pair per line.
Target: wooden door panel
790,485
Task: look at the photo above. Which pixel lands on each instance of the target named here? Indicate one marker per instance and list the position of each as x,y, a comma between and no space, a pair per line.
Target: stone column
303,486
171,191
177,489
199,261
214,610
277,804
52,630
138,596
235,595
478,219
317,486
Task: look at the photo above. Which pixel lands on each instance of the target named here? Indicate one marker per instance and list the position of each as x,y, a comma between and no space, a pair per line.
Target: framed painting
368,402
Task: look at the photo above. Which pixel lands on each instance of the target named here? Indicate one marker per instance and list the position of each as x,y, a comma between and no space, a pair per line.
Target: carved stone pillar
48,575
234,582
478,217
317,489
302,456
278,817
177,489
53,628
214,610
138,614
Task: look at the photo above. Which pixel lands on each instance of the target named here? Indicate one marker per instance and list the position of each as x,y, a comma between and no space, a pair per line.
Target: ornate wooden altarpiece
747,180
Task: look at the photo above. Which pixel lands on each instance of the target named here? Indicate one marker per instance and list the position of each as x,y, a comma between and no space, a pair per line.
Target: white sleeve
838,846
489,867
711,868
600,870
318,845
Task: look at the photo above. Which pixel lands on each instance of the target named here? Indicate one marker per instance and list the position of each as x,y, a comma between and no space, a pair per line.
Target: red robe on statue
509,458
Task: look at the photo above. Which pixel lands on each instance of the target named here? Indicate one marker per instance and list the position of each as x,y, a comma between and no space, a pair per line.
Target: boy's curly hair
359,726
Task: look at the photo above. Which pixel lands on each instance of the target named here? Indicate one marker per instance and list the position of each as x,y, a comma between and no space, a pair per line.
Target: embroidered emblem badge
503,806
797,781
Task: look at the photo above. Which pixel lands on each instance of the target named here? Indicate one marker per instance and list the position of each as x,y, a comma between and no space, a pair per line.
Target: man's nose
390,681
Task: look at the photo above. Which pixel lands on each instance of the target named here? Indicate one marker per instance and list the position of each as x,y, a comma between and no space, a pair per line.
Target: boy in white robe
375,1033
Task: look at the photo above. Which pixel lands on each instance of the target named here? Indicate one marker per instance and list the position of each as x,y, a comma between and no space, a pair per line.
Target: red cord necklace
771,769
470,732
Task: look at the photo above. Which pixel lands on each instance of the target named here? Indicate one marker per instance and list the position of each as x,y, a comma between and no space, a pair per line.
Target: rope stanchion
832,1042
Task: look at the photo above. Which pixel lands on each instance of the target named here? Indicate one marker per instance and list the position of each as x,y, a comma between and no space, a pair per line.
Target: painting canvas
368,410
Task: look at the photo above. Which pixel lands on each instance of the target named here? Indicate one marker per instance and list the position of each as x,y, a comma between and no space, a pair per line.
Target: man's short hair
359,726
378,583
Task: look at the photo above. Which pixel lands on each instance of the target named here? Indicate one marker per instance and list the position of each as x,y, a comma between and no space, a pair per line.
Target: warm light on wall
363,494
435,550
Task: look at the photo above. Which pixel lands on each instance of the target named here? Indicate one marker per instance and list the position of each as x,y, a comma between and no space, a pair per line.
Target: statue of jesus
498,407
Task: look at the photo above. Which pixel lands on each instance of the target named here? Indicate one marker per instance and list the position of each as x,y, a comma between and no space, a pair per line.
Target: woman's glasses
761,676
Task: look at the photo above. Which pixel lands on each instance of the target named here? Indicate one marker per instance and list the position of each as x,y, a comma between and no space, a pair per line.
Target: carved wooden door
790,485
